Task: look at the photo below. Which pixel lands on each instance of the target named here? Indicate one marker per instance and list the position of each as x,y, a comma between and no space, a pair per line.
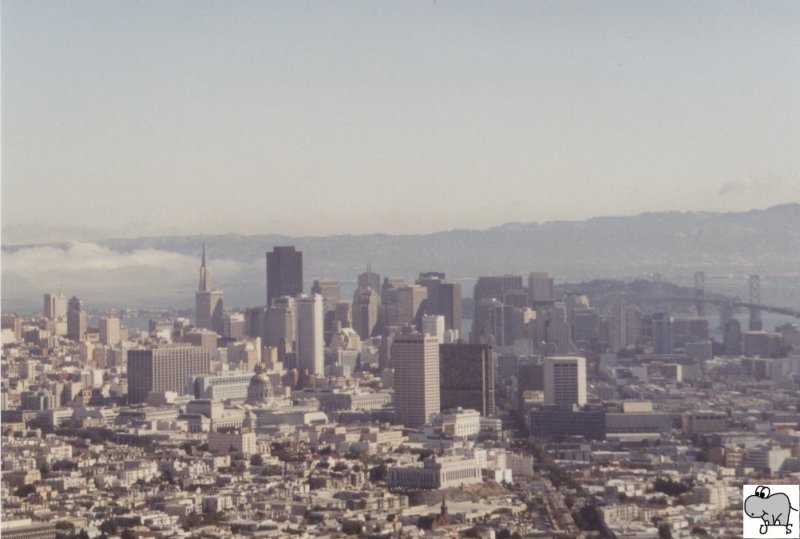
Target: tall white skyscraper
565,380
433,324
415,358
310,338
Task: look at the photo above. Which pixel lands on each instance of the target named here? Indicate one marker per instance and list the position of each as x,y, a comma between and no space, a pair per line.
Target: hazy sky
144,117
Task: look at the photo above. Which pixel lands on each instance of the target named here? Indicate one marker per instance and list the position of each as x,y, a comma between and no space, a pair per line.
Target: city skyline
554,106
154,273
400,269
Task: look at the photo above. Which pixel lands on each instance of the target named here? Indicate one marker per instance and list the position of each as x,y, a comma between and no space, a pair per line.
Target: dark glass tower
284,273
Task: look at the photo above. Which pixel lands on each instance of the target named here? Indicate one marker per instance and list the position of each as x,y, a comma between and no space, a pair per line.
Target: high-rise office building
310,341
488,327
431,280
623,326
732,339
233,326
281,323
491,291
330,290
433,324
76,319
553,332
370,279
389,288
365,312
109,331
207,300
164,369
450,305
55,306
344,314
585,326
467,377
530,374
284,273
410,302
255,322
387,338
496,286
415,358
540,288
662,333
565,380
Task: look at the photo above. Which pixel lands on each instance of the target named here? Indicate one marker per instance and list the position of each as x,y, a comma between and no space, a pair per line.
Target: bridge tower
699,293
754,286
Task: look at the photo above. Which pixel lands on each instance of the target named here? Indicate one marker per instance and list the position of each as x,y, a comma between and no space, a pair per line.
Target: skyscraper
732,339
540,287
467,377
109,330
488,327
284,273
489,290
330,290
281,323
365,311
389,288
622,326
76,319
410,300
387,338
443,298
415,358
55,306
370,279
208,301
344,313
164,369
553,328
565,380
450,305
310,342
433,324
662,333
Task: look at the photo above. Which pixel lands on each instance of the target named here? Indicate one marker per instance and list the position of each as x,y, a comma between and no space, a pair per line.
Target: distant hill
673,244
760,240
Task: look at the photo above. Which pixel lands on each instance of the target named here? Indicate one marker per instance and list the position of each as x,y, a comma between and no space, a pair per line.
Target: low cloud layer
105,278
751,185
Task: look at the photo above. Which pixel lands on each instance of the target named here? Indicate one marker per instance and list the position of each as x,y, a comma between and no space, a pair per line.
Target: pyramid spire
205,273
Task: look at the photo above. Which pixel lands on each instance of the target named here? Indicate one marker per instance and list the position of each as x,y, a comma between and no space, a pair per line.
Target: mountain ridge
792,207
673,244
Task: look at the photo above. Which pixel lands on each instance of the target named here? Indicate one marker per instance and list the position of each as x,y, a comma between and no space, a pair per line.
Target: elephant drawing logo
772,509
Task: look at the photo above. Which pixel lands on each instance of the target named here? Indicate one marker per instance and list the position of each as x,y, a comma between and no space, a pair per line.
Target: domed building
259,391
